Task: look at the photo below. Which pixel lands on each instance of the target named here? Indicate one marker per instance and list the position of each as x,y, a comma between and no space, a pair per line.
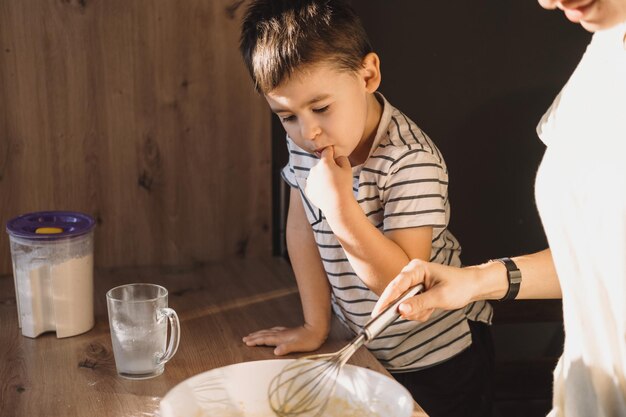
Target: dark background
476,77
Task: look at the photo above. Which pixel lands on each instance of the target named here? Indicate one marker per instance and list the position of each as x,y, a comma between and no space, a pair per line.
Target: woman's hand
446,287
296,339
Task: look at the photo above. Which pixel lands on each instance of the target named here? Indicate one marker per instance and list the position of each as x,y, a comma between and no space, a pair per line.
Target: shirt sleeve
415,193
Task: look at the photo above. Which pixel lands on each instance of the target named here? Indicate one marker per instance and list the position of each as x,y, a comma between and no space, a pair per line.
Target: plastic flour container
52,254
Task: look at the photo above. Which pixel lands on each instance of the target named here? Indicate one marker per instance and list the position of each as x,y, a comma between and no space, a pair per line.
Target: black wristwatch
514,275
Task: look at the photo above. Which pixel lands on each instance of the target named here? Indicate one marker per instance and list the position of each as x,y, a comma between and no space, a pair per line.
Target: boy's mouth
318,151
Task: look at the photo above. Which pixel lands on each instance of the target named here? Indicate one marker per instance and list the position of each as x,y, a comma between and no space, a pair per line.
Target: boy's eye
288,118
321,110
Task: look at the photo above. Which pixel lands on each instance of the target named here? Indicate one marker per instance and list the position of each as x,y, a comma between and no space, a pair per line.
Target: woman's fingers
448,288
411,274
417,308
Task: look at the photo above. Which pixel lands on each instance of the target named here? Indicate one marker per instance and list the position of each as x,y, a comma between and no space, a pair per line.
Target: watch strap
514,276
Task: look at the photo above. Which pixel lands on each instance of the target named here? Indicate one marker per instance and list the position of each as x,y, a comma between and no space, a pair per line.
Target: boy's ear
371,72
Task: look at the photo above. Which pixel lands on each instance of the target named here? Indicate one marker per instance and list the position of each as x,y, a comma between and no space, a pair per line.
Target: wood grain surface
217,304
142,114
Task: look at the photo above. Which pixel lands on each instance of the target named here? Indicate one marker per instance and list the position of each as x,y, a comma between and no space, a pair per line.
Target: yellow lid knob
48,230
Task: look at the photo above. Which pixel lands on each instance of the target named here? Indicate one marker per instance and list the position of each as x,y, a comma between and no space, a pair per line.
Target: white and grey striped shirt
402,184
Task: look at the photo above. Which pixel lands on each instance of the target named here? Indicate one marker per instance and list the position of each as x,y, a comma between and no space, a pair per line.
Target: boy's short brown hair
280,36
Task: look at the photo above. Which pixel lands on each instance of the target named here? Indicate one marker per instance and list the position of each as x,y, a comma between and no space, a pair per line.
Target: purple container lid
50,225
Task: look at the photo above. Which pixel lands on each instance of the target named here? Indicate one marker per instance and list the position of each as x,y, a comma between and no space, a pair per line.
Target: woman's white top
581,197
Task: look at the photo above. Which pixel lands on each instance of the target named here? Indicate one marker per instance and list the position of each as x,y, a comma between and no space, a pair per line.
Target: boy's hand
330,181
287,340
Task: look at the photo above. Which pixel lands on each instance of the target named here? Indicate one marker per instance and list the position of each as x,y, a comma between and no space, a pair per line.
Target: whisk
304,387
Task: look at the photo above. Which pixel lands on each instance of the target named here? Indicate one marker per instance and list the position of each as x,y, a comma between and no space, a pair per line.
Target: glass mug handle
172,347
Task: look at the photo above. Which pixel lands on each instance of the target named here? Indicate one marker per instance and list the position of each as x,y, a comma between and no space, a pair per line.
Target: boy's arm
307,265
312,285
375,257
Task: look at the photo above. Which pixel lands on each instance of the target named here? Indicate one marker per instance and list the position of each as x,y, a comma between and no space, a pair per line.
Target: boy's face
321,106
593,15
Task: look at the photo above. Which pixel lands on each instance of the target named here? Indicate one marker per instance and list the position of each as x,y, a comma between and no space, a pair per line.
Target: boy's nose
310,131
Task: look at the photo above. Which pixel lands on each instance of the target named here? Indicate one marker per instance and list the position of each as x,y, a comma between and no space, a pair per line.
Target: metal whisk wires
304,387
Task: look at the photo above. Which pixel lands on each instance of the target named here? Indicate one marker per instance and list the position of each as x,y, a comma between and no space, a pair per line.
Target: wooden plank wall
142,114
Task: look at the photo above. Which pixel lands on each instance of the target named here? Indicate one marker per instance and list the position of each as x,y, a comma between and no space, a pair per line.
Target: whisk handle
389,314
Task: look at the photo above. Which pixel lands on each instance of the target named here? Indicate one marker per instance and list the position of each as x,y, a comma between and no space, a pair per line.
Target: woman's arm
539,279
451,288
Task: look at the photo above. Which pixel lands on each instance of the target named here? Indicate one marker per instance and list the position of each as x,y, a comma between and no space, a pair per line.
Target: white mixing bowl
240,390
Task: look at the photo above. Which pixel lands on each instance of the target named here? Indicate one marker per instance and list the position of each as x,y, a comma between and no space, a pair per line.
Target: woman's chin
574,15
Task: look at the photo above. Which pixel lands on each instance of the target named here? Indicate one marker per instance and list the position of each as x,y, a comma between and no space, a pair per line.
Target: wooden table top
217,305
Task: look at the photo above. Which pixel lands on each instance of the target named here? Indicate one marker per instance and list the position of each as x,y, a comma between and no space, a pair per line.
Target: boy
368,193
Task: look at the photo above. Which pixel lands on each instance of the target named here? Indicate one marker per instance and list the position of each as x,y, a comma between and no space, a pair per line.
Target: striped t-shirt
402,184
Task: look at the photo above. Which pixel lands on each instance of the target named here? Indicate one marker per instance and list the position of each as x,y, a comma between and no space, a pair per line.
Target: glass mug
137,317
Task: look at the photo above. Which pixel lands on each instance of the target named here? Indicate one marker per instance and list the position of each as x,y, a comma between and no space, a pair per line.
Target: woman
581,197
